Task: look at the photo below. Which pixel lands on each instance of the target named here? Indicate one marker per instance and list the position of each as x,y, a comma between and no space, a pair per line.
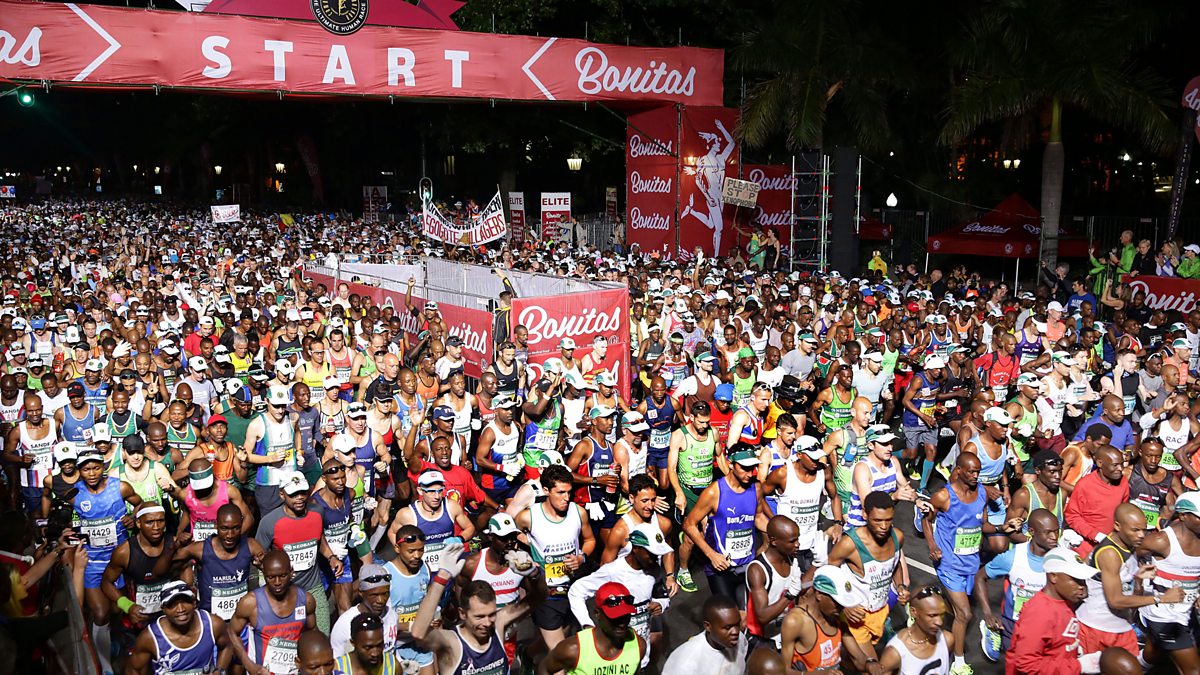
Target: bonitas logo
641,185
765,182
650,148
595,76
650,221
544,328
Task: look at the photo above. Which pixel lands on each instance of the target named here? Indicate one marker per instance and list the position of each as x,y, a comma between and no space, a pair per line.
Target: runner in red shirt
998,369
1046,637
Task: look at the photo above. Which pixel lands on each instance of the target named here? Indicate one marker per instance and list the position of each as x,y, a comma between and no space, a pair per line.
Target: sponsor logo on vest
649,148
595,76
649,221
657,184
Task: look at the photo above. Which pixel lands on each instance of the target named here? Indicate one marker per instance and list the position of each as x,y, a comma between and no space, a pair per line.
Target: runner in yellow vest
610,647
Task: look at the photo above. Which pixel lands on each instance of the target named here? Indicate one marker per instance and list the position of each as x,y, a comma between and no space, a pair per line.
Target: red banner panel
709,153
474,326
68,43
774,208
1168,293
581,317
650,180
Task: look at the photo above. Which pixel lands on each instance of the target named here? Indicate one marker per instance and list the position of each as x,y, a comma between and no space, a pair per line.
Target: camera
62,511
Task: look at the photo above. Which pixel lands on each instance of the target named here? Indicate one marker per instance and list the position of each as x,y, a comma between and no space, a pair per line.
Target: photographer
21,584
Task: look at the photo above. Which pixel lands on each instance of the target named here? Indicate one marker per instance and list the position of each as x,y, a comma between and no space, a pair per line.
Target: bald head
1045,520
765,661
781,528
391,361
967,461
1129,515
862,405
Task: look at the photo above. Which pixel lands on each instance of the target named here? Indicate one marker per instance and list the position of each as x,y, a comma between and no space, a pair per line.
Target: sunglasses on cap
378,578
411,538
617,600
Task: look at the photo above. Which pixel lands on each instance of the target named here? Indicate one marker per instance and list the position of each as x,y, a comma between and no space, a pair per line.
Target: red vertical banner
710,153
774,209
582,317
651,180
610,203
516,216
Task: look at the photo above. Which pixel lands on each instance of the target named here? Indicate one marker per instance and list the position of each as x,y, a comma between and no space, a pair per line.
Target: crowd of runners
241,470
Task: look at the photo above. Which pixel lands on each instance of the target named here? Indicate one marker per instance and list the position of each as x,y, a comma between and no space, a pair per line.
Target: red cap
913,307
869,300
615,600
217,419
1010,310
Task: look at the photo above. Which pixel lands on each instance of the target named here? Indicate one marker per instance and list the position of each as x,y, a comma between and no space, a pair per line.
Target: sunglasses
927,591
377,579
334,469
433,491
617,600
411,538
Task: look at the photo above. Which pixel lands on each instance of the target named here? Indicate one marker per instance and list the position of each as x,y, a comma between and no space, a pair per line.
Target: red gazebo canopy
1010,230
871,228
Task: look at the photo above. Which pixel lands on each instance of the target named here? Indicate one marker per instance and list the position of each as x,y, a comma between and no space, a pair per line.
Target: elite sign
86,44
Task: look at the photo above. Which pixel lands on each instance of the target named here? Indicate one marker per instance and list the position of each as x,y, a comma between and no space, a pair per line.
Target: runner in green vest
831,410
690,470
611,647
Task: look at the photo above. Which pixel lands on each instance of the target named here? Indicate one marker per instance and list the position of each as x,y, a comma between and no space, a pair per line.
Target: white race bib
148,597
101,533
225,600
303,555
280,657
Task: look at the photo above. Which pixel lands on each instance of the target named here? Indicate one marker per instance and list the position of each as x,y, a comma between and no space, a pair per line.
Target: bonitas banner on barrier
231,213
1167,293
583,317
487,226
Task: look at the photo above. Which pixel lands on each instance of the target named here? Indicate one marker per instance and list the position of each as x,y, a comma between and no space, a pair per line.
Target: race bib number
303,554
337,535
203,529
546,439
406,614
804,515
148,596
225,600
739,543
640,621
280,656
556,571
43,459
967,539
101,533
660,438
433,554
1020,597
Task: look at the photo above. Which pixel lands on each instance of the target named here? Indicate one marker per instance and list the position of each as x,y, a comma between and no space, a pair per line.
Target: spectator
1143,259
1059,288
1189,266
1123,257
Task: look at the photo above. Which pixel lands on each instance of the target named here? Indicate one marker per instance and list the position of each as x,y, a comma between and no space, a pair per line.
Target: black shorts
552,613
1170,636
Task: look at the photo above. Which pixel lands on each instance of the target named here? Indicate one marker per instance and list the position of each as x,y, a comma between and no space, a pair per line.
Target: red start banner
1167,293
474,326
90,45
775,186
582,317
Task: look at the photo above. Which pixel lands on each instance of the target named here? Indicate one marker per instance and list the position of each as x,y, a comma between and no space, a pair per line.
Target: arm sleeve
583,589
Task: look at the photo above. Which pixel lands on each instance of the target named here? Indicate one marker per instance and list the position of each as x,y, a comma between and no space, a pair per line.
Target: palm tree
1029,60
817,63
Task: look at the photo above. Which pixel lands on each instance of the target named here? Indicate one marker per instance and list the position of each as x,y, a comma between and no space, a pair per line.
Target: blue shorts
32,496
411,653
657,457
347,575
93,573
958,582
502,495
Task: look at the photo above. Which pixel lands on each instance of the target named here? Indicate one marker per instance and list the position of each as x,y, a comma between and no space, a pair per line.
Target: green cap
745,353
1188,502
808,337
745,457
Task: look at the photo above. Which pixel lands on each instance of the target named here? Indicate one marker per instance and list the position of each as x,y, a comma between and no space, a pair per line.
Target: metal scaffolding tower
810,212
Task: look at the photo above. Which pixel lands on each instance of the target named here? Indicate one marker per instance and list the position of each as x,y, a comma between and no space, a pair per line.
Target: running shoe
943,471
914,473
990,642
683,578
962,669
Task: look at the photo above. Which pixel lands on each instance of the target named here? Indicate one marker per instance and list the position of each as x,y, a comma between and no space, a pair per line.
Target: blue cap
724,392
443,412
244,394
38,323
